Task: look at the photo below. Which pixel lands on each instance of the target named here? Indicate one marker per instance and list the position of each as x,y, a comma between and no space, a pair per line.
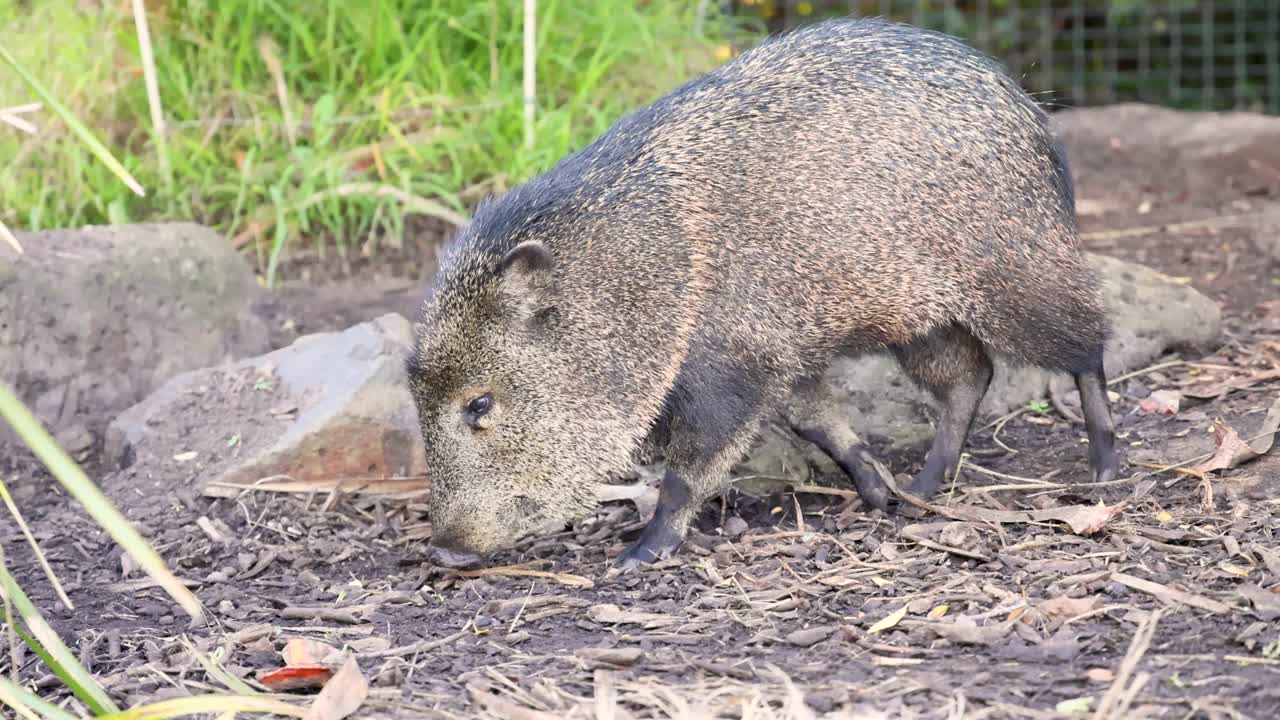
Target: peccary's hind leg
812,419
1097,421
954,367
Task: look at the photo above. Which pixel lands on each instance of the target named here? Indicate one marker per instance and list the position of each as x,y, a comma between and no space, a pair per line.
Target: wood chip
611,656
613,615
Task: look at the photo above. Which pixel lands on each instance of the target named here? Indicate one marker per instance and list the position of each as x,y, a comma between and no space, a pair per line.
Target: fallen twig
1168,594
1219,220
418,647
512,570
1117,698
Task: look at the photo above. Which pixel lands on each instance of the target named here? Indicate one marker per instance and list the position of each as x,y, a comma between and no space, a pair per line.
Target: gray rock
1152,314
331,406
93,319
1115,147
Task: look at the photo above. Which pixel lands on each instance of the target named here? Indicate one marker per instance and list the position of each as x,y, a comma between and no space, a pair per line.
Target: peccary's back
855,177
853,182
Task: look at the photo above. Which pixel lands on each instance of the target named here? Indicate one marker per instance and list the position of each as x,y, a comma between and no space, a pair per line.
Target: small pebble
809,636
734,527
820,702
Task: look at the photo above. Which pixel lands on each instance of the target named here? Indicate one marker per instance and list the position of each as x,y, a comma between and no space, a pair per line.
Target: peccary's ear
527,274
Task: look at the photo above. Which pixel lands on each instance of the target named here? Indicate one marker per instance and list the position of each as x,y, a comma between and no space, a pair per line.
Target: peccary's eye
480,405
475,411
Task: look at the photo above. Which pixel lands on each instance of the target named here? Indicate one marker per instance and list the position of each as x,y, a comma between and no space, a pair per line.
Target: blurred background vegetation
319,121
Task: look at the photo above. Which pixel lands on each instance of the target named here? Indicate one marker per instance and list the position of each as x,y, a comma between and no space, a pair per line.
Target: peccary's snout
445,556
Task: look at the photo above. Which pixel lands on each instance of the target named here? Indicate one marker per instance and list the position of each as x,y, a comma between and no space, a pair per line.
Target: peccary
853,186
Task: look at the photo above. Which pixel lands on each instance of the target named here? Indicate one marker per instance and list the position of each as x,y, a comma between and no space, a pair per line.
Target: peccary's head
515,422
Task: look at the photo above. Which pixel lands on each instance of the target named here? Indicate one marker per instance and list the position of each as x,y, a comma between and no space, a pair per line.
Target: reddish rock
330,408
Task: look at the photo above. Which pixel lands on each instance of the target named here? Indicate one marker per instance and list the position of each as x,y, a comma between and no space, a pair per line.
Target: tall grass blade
56,653
96,147
82,488
26,703
35,547
153,91
9,238
179,707
54,666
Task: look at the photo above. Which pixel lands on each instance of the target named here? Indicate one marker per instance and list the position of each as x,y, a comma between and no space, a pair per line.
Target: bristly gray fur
852,186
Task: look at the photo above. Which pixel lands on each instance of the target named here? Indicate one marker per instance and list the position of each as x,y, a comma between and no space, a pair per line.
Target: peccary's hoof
1107,469
880,497
657,542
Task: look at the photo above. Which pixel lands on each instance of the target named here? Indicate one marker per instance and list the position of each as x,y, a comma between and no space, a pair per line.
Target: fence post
530,68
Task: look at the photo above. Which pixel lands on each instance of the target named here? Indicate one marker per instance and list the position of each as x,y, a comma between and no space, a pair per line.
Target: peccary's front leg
694,475
710,426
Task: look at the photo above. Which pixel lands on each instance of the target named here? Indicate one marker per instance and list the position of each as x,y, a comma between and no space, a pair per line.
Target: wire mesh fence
1191,54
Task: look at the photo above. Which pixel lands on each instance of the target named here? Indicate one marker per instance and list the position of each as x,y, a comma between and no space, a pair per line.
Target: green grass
402,96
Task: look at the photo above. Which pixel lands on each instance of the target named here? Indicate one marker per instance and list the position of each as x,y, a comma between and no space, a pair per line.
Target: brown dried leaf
305,651
1063,607
1265,602
1210,391
1083,519
1232,450
1161,402
1100,675
342,695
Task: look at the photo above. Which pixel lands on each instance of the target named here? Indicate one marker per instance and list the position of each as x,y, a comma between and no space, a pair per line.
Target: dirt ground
777,607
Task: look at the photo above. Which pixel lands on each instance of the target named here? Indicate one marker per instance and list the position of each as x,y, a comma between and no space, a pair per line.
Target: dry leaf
1164,516
1234,570
305,651
369,645
1161,402
965,630
1083,519
1100,675
1265,603
1206,391
890,621
1063,607
295,677
937,612
1232,450
342,695
612,614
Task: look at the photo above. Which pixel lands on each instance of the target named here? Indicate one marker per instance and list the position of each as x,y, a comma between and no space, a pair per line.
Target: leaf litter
1008,598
